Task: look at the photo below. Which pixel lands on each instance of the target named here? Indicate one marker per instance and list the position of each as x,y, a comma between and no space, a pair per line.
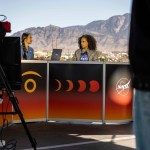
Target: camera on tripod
10,72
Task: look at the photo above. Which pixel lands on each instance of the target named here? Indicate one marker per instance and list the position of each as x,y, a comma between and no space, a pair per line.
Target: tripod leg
17,109
14,102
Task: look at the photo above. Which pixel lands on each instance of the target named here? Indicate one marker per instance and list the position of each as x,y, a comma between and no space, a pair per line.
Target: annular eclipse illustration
94,85
30,81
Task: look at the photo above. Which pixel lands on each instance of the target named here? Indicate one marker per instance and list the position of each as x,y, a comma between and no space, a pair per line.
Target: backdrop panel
75,91
32,96
119,93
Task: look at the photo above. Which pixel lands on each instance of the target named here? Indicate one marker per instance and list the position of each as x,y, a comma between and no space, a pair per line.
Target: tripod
14,102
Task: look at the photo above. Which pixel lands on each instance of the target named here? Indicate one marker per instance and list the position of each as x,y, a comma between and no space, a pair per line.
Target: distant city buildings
116,56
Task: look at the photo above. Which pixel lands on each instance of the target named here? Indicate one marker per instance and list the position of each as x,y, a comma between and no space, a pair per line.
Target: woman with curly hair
27,52
87,49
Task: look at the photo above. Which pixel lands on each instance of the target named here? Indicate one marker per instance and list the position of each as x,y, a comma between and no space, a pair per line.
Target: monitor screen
56,54
10,60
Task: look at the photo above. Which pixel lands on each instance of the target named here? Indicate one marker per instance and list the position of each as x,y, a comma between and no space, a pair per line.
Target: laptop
56,54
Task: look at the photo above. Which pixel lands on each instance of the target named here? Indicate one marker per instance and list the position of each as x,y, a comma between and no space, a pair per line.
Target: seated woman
87,49
27,52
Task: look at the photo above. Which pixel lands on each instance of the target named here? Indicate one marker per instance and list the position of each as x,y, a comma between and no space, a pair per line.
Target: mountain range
111,35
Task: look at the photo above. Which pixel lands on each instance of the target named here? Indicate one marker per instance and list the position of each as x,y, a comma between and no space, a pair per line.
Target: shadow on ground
65,136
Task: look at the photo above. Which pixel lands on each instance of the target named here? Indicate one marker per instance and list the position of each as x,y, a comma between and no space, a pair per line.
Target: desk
83,91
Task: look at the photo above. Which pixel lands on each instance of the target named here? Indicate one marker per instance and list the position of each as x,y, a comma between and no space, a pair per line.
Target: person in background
27,52
87,49
139,56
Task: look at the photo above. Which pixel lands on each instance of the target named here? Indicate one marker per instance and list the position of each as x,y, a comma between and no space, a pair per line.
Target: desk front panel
119,92
32,96
75,91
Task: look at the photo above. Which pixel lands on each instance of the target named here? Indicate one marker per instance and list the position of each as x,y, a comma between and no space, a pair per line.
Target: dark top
29,53
91,54
139,44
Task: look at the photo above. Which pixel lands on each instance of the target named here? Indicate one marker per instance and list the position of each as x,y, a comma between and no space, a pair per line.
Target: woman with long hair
27,52
87,49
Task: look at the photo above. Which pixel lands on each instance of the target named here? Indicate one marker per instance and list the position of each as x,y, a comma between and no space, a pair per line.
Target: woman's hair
91,41
24,36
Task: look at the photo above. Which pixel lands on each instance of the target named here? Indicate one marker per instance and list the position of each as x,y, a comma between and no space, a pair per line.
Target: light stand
14,102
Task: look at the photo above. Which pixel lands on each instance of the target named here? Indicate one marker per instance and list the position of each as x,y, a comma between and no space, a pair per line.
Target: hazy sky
34,13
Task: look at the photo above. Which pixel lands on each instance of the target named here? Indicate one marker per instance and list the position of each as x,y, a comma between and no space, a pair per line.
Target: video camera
10,56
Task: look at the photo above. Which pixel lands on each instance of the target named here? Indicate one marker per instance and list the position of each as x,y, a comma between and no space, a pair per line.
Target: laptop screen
56,54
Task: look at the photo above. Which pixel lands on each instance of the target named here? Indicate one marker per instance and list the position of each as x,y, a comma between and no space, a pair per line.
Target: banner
119,93
75,91
32,96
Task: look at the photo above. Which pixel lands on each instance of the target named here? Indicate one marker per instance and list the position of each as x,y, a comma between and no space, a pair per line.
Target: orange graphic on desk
94,85
31,81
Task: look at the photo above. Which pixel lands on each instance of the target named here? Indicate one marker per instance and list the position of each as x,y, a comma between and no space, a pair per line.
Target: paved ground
67,136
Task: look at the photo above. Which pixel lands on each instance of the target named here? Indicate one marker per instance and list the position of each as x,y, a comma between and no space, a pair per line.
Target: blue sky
39,13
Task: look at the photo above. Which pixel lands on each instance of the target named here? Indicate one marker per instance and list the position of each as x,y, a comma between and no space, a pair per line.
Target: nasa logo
123,86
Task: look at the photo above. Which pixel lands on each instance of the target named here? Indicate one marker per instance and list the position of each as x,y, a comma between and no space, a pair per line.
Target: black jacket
139,44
